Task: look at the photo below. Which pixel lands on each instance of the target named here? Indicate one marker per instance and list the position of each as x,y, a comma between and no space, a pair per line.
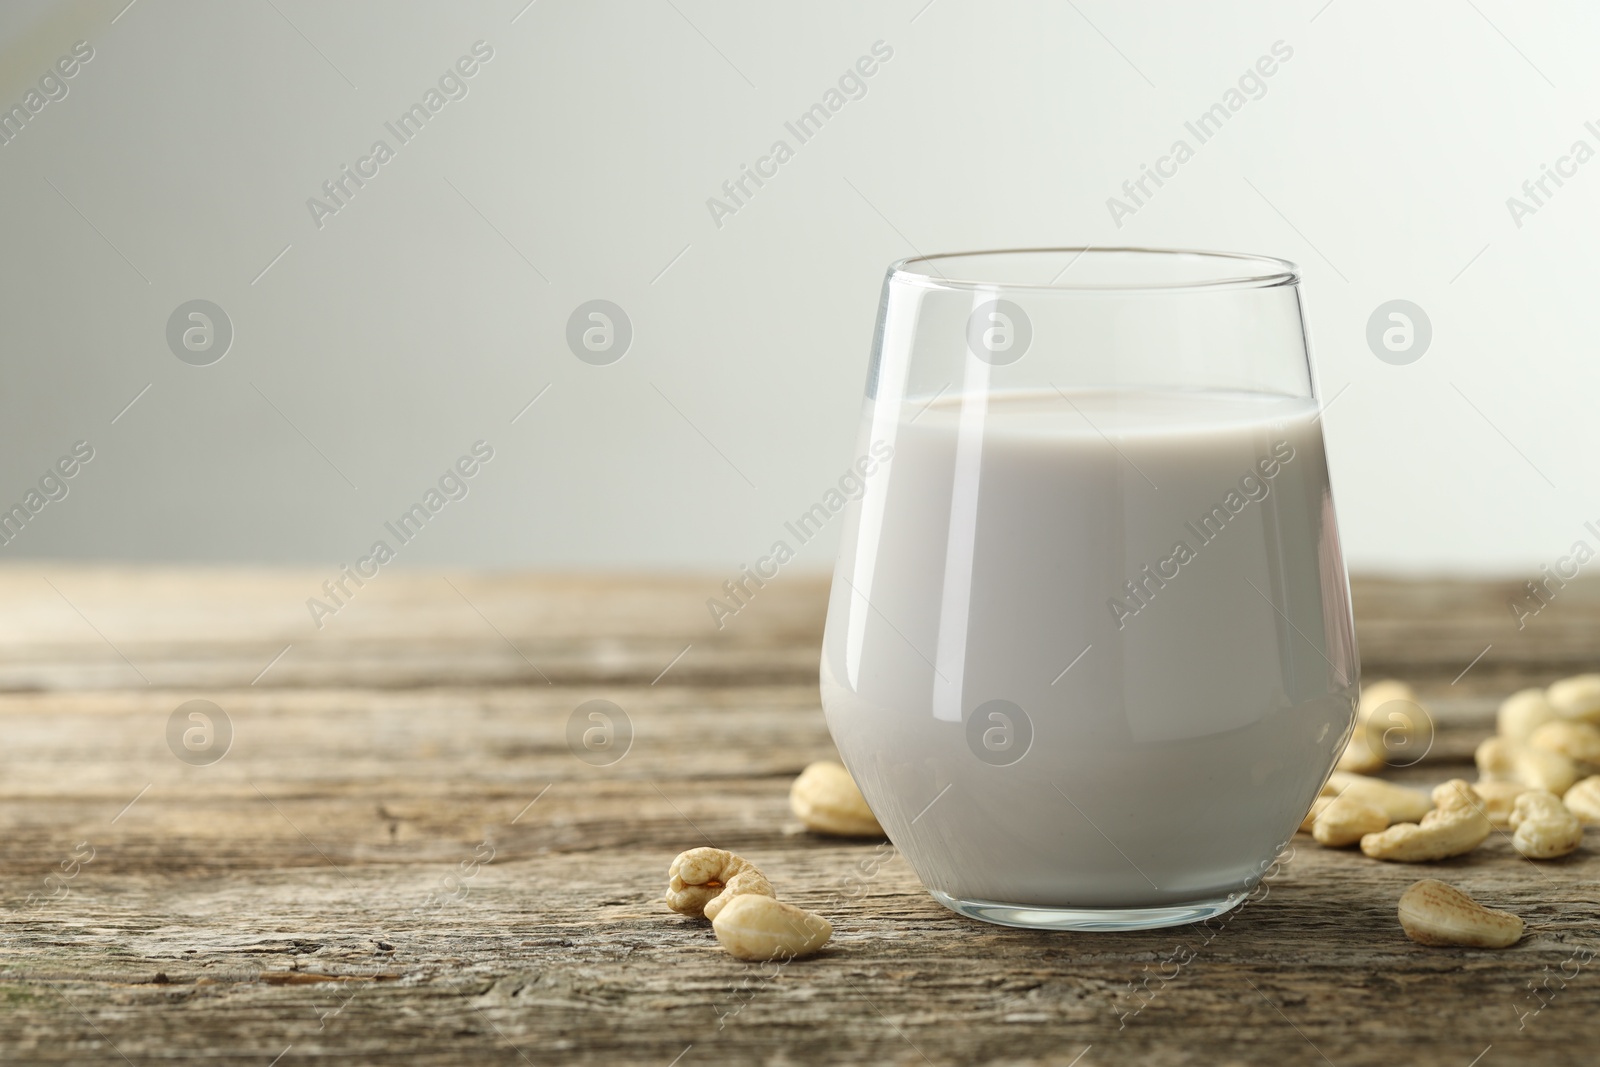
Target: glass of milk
1089,651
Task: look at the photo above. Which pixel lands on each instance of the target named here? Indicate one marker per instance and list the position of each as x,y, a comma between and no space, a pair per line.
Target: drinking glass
1089,651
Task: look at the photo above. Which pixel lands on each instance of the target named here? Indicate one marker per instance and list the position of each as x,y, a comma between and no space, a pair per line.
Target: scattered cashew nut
1498,800
1502,760
1583,800
1545,828
1433,913
1396,802
1455,826
753,927
1346,820
826,799
702,881
1399,803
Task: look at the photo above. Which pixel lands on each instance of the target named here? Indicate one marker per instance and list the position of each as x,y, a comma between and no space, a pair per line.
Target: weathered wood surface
305,897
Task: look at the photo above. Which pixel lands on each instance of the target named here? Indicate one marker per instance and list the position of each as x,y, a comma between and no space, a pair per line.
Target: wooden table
325,892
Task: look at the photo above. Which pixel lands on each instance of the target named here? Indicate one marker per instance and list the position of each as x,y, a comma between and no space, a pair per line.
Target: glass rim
1271,271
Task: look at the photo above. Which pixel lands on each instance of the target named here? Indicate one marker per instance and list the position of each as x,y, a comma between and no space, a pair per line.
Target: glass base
1034,917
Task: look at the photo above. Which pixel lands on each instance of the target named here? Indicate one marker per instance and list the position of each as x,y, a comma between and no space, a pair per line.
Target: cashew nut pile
748,919
826,799
1546,749
1547,740
1538,784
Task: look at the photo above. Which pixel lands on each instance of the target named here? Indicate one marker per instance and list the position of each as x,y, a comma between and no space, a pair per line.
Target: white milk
1181,749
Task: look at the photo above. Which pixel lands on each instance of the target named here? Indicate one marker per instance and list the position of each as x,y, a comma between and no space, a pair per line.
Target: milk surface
1141,600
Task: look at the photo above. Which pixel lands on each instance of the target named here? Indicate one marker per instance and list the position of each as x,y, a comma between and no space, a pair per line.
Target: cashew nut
702,881
1577,697
1358,755
1433,913
1396,801
753,927
1502,760
1523,712
1583,800
1496,759
1346,820
1498,800
826,799
1545,828
1455,826
1352,805
1318,806
1378,694
1550,771
1576,740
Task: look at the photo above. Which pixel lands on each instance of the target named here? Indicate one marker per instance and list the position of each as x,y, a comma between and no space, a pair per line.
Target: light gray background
416,321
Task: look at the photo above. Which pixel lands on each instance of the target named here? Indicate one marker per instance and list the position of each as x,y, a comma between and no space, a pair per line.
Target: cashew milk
1091,649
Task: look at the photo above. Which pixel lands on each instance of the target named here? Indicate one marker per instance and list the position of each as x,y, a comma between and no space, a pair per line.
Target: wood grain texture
323,893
